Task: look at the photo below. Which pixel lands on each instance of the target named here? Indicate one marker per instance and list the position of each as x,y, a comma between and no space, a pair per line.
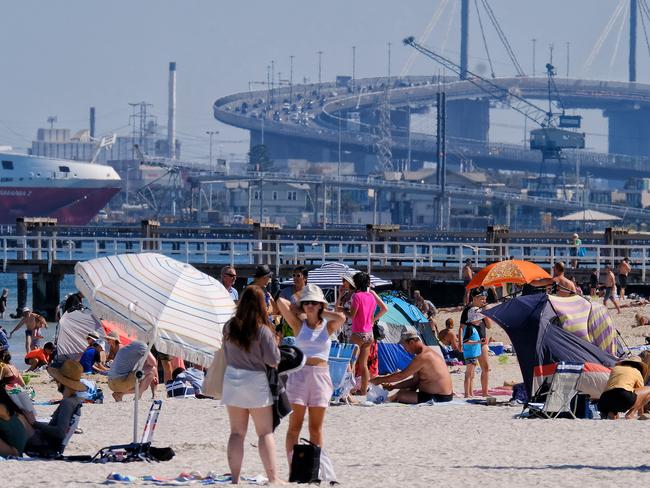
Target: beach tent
72,329
329,276
537,336
401,314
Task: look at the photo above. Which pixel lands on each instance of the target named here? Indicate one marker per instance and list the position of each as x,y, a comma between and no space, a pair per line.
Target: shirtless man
426,377
468,274
565,287
624,269
32,322
610,287
448,337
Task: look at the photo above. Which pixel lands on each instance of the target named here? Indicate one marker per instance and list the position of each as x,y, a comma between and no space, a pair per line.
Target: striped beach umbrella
329,276
161,300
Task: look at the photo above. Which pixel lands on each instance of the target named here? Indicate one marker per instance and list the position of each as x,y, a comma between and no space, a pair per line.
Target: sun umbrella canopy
509,271
329,275
158,298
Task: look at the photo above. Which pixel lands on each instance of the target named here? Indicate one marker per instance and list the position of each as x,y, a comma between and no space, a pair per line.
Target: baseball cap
408,334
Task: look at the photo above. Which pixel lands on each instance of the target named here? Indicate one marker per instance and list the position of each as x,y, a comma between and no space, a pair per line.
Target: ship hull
69,205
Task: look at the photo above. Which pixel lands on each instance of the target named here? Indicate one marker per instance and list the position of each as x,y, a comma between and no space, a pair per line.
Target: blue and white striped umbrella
158,298
329,275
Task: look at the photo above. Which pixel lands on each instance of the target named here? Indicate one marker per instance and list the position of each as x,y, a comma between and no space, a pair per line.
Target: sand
377,446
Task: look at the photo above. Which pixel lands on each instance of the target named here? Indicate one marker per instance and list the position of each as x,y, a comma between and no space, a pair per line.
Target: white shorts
245,389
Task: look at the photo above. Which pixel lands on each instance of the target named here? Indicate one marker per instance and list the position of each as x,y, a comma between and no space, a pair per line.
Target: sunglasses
310,302
231,275
298,275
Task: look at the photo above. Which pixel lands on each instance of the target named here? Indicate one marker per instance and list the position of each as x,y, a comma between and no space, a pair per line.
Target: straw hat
313,293
636,362
349,277
408,334
114,336
93,335
68,375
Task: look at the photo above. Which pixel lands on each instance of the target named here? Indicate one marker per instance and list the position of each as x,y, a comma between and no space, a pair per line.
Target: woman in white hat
310,388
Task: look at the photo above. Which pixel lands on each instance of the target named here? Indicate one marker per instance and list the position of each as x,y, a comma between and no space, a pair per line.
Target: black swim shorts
616,400
622,280
437,398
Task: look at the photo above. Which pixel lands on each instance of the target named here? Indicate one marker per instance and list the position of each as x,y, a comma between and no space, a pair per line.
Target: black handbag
305,463
378,332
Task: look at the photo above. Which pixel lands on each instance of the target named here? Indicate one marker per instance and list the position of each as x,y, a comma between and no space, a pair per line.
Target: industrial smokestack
92,121
171,120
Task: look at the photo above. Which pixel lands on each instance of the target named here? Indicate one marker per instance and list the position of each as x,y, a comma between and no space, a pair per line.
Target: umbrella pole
138,377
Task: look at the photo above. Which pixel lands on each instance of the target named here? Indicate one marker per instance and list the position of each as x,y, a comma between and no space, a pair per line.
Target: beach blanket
182,479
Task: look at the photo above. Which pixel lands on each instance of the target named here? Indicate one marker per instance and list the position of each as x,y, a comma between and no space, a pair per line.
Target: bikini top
314,343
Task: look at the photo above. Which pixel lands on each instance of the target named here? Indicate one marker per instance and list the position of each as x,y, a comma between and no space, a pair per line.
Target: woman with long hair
250,347
310,388
364,305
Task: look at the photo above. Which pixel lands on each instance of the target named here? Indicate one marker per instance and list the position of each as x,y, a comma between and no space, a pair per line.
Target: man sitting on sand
426,377
39,357
448,338
122,375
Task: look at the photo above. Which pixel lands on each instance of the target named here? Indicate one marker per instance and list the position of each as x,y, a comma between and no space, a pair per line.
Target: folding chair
340,358
135,451
561,392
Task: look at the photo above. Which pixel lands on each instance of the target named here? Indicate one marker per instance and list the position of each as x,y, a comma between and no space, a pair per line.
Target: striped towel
573,313
601,329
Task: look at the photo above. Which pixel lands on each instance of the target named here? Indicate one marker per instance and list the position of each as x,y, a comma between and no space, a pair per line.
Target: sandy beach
387,445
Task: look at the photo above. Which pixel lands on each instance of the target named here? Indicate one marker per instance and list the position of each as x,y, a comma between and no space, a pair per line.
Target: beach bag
376,394
378,332
305,463
213,382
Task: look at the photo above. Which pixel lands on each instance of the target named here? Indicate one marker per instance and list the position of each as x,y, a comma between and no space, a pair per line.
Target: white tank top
314,343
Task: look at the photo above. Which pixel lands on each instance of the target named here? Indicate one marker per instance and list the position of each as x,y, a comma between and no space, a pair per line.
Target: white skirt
246,389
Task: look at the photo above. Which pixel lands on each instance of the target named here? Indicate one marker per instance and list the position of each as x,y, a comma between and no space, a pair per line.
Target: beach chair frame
134,451
562,390
341,353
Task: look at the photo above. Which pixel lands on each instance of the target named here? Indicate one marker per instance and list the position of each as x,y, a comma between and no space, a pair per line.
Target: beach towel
182,479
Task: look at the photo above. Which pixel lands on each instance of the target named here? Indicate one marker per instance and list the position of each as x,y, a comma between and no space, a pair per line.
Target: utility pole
272,80
211,133
354,68
291,79
568,58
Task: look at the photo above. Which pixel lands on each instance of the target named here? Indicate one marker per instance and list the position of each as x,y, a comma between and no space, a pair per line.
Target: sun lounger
340,358
561,391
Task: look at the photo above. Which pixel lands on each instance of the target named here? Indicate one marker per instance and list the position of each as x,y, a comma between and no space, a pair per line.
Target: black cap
262,270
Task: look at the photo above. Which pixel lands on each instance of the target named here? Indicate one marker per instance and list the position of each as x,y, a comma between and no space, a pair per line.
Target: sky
60,58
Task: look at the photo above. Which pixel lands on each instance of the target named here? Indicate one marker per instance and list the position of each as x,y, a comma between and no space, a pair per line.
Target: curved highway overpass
317,112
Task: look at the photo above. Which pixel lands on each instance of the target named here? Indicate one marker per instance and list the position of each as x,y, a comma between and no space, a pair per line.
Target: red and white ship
71,191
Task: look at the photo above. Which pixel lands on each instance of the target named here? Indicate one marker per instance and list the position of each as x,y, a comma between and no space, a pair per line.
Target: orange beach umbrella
510,271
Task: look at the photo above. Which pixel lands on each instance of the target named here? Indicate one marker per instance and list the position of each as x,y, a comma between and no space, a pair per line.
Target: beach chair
561,392
135,451
340,358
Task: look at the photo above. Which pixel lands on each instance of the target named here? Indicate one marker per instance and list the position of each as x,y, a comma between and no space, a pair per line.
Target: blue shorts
29,333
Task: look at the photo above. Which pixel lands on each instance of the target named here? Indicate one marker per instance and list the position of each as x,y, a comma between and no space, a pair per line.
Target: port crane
553,135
